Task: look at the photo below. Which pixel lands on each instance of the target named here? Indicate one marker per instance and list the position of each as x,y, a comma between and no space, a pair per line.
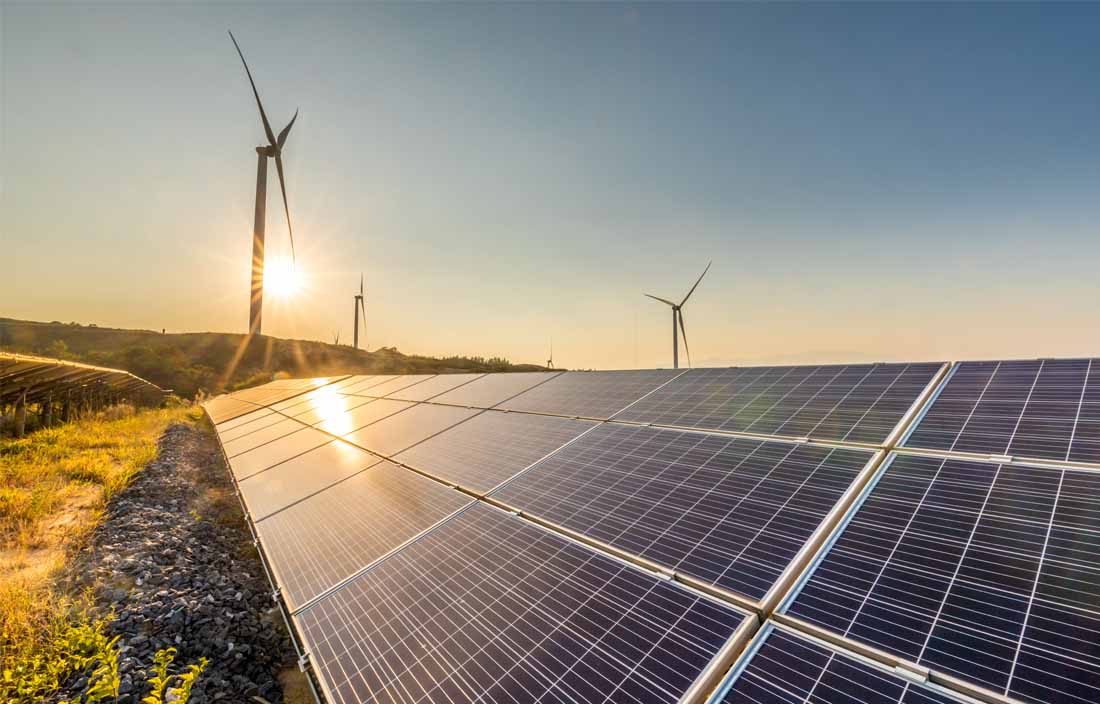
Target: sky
872,182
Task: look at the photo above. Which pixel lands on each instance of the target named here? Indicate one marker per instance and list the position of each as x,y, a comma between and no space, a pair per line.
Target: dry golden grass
54,486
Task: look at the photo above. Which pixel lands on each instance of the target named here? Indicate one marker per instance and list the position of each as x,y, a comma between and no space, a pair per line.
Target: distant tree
58,350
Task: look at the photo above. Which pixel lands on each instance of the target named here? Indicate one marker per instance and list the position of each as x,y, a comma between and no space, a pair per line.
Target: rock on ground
173,559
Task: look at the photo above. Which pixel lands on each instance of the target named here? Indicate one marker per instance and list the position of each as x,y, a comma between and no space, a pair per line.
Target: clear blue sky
871,181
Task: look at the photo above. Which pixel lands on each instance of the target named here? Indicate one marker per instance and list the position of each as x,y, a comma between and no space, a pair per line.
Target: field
54,486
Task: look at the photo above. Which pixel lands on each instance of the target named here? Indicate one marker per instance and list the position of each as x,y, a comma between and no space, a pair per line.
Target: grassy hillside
212,362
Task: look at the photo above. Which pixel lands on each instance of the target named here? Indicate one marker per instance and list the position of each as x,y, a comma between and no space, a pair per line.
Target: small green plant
159,681
187,680
105,678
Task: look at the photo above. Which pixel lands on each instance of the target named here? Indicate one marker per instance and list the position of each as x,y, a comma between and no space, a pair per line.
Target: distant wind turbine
360,307
273,149
550,362
678,318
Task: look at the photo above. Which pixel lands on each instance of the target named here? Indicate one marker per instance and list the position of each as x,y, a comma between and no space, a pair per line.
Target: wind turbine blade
286,207
360,284
661,300
684,334
263,115
696,283
286,130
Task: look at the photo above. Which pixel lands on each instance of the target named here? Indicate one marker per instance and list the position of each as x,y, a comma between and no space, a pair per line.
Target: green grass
54,486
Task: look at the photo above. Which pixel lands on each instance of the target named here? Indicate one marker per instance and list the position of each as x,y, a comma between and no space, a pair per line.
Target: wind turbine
360,307
678,318
273,149
550,362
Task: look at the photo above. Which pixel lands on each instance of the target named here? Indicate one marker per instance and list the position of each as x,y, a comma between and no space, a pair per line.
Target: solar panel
729,511
433,387
1041,409
397,383
784,667
226,408
398,432
491,608
314,544
590,394
359,416
363,384
249,441
491,389
859,403
258,459
490,448
263,420
251,416
985,571
300,477
355,380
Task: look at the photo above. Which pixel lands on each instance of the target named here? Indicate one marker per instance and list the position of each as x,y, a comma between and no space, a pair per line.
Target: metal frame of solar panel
647,413
785,666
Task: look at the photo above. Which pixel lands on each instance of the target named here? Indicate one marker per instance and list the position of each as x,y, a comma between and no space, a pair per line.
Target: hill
213,362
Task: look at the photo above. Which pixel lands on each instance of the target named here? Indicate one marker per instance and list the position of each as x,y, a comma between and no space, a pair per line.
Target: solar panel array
889,532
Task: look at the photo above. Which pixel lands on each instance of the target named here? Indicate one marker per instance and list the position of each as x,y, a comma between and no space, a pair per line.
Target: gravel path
174,560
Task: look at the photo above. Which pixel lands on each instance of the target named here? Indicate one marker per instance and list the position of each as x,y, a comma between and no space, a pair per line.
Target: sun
281,278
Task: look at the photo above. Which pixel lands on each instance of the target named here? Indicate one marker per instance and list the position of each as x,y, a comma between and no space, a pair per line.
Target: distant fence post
21,414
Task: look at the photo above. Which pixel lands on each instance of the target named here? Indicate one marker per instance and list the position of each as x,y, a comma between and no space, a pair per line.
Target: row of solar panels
405,589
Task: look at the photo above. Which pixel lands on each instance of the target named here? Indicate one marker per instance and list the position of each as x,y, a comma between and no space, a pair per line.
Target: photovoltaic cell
363,385
729,511
293,480
360,416
854,403
433,387
252,416
400,431
790,669
397,383
488,607
491,389
356,380
249,441
326,408
987,572
490,448
255,422
1042,409
315,544
590,394
224,409
258,459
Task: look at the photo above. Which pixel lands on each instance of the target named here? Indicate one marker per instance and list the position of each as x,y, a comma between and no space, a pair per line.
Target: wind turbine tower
678,319
360,307
272,150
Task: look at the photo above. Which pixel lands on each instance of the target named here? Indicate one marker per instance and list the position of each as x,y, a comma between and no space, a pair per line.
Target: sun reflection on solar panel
333,408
